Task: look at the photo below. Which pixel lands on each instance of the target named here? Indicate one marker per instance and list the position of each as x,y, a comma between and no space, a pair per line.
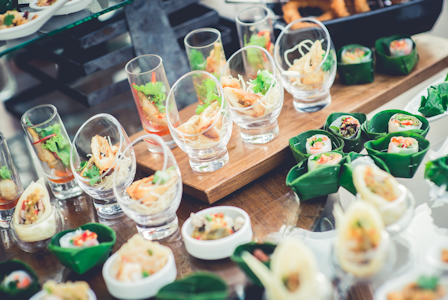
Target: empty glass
152,201
150,87
10,185
97,145
254,91
202,133
47,136
306,60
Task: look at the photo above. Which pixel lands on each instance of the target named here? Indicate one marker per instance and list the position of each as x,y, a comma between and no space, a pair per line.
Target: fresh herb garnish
210,96
145,274
5,173
7,20
209,218
162,175
150,252
329,62
12,286
57,144
197,60
257,40
263,82
335,129
93,173
315,141
428,283
82,165
155,92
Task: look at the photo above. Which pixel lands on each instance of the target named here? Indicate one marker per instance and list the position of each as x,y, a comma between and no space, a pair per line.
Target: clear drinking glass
97,145
48,138
202,135
152,201
10,185
255,113
306,60
150,87
255,28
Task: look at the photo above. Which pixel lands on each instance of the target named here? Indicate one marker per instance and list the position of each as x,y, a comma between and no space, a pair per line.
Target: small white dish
141,289
434,254
41,294
414,104
69,8
33,25
221,248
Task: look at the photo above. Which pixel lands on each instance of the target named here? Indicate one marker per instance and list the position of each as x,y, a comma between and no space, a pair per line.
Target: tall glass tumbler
150,87
10,185
152,201
48,137
202,133
255,28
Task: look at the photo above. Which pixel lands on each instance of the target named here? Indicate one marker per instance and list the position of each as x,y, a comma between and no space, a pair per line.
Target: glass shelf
60,23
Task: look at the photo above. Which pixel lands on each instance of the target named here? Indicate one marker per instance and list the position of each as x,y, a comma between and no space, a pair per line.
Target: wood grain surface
249,162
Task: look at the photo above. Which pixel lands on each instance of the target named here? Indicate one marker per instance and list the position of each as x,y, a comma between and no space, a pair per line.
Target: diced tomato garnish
153,77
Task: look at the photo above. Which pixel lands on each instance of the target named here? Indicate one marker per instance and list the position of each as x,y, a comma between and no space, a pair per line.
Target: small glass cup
10,184
150,86
48,137
404,205
109,141
203,136
152,205
255,113
306,60
255,28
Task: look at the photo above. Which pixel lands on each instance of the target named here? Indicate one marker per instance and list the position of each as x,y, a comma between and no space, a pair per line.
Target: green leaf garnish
57,144
7,20
5,173
197,60
329,62
155,92
150,252
82,165
428,283
263,82
94,174
209,218
210,96
335,129
145,274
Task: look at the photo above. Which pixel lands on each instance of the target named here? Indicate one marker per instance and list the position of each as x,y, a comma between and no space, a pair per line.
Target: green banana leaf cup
400,65
346,178
83,259
267,248
198,286
378,126
350,74
298,143
6,268
400,164
437,171
357,142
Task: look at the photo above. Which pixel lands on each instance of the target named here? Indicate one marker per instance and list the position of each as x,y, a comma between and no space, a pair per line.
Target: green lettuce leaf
437,171
437,101
329,62
263,82
197,60
209,87
155,92
94,174
57,144
5,173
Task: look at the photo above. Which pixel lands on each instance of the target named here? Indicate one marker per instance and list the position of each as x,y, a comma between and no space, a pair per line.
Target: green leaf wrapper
355,73
357,143
6,5
6,268
298,143
437,101
400,65
267,248
400,165
346,178
198,286
437,171
378,126
82,260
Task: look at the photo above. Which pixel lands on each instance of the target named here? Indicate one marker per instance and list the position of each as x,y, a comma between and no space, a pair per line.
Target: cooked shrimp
8,189
44,155
230,82
191,126
103,153
240,99
150,110
208,116
148,192
215,61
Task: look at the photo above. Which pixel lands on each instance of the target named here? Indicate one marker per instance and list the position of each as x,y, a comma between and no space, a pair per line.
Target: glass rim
101,115
277,45
268,12
25,114
2,138
206,29
218,86
143,56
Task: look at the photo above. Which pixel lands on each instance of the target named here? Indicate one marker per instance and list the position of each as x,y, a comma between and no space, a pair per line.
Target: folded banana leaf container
82,260
400,65
357,142
399,164
437,171
6,268
436,102
198,286
378,126
6,5
298,143
346,178
267,248
350,74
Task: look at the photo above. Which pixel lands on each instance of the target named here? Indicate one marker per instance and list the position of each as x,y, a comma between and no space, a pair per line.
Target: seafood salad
346,126
8,188
17,280
425,288
79,239
70,290
401,47
214,226
318,143
138,259
213,64
402,122
14,18
323,159
356,55
405,145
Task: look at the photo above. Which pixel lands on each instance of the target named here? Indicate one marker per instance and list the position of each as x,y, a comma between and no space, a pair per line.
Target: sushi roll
17,280
79,239
405,145
356,55
327,158
318,143
402,122
400,47
346,126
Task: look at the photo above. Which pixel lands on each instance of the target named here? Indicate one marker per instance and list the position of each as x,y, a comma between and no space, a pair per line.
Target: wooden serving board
248,162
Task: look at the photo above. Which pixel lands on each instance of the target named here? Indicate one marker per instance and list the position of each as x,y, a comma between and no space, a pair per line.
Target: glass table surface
57,24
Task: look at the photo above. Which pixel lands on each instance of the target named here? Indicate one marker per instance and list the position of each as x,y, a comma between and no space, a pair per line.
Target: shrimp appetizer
79,239
17,280
214,226
14,18
323,159
405,145
318,143
8,188
78,290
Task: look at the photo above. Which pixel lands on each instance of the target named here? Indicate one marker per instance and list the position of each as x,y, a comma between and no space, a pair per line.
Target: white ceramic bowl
144,288
70,7
221,248
41,295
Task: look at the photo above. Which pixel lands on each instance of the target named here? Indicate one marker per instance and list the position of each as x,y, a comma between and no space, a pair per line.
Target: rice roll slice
402,122
327,158
346,126
401,47
17,280
318,143
79,239
356,55
404,145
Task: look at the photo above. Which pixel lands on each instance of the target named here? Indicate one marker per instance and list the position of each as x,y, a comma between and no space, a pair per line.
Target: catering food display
14,18
214,226
318,143
347,126
399,144
396,55
355,64
323,159
68,290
